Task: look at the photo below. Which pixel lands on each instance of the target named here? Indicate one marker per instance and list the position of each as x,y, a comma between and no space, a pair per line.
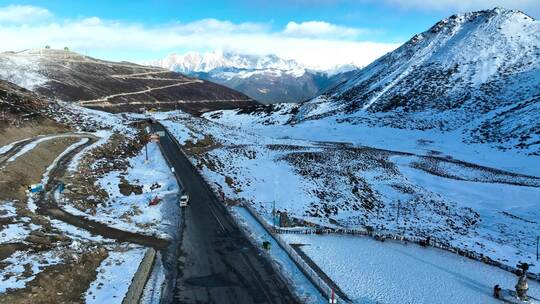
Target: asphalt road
217,263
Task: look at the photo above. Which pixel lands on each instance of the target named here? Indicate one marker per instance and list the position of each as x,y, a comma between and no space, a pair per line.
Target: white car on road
184,200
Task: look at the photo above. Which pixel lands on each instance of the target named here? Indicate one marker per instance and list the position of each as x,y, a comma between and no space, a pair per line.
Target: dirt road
48,206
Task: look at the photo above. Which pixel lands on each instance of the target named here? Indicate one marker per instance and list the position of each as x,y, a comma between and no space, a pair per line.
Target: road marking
214,214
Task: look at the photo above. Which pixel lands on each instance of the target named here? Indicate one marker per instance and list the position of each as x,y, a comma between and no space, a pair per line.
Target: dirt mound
17,100
24,114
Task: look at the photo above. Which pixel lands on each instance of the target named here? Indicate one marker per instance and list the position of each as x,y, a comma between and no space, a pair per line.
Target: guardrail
319,283
136,289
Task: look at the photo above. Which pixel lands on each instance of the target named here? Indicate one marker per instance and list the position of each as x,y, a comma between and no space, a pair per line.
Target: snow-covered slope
465,199
267,78
479,72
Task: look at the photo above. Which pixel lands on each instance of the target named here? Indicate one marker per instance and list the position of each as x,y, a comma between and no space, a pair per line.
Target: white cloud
315,43
219,26
319,29
23,14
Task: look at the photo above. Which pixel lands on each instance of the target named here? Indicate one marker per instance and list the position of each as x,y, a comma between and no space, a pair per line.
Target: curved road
217,263
47,206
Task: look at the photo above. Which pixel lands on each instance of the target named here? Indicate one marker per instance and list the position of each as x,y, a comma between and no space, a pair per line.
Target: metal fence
311,274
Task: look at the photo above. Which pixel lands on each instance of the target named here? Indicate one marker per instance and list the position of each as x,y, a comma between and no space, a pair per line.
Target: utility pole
397,217
276,197
274,215
146,149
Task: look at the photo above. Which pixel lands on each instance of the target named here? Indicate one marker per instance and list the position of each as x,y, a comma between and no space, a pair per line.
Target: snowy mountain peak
208,61
266,78
470,49
497,16
462,70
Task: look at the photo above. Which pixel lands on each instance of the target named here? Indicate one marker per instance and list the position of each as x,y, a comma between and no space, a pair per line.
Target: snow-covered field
421,142
22,267
18,228
329,175
507,211
133,212
374,272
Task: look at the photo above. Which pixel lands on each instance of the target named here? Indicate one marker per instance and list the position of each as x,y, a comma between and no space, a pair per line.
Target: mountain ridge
266,78
460,73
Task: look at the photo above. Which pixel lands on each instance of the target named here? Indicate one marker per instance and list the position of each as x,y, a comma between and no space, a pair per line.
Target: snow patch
15,274
114,276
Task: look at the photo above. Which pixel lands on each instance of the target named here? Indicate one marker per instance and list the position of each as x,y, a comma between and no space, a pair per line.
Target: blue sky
394,23
314,31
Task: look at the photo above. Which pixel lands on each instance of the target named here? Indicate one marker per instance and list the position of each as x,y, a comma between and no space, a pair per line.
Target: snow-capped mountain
266,78
477,72
206,62
430,128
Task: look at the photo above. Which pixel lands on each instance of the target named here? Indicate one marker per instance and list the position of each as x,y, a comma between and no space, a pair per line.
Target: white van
184,200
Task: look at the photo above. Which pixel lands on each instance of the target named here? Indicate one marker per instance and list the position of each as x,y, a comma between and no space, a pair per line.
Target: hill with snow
439,138
113,86
477,73
268,78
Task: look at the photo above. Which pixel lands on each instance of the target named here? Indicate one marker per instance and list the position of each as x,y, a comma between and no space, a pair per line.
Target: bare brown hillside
114,86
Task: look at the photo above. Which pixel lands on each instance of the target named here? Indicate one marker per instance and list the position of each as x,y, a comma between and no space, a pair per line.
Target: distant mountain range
268,79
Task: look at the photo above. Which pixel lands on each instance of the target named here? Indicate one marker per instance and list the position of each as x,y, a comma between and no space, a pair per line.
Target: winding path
47,205
12,153
106,98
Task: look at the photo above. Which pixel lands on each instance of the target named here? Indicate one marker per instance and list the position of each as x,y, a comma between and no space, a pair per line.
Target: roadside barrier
136,289
315,279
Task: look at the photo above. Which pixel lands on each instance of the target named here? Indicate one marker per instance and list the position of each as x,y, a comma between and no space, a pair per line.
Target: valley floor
392,272
414,184
411,183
